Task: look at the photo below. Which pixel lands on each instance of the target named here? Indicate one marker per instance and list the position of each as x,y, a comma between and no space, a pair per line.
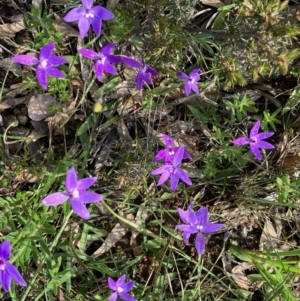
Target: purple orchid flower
88,15
120,289
190,81
256,141
103,60
144,73
76,193
8,270
46,64
196,222
172,171
168,153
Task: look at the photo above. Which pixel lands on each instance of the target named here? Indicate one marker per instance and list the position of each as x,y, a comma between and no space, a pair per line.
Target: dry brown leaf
270,237
213,3
123,131
113,237
64,28
26,176
9,30
239,276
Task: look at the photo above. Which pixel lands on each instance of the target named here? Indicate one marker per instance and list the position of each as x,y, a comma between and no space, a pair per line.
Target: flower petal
202,215
14,274
187,228
183,176
174,180
84,26
113,58
113,297
182,76
53,71
99,70
130,62
255,151
121,280
168,140
90,197
111,284
265,145
241,141
5,280
5,250
97,25
150,70
86,183
57,60
74,14
161,155
89,53
264,135
41,76
184,216
71,179
79,208
163,178
200,243
255,129
55,198
139,80
128,286
87,3
161,169
178,156
186,236
194,74
147,78
102,12
187,155
109,68
195,88
107,49
210,227
25,59
187,88
126,297
46,51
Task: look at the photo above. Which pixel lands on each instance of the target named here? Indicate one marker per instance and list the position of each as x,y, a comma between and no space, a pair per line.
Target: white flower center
89,14
44,63
119,290
2,264
75,193
171,153
199,228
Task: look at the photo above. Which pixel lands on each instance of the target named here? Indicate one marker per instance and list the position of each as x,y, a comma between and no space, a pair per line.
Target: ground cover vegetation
149,150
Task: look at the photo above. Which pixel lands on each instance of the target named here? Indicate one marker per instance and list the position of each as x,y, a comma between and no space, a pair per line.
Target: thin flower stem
39,268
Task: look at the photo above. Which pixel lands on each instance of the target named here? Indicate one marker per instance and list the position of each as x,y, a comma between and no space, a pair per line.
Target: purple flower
76,193
190,81
103,59
172,171
196,222
46,64
121,289
87,15
168,153
144,73
256,141
7,270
